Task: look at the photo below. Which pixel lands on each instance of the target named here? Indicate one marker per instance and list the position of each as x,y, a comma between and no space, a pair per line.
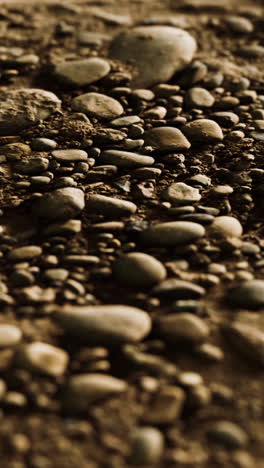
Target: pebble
71,155
199,97
238,24
172,233
174,289
166,139
225,227
249,294
43,144
97,105
104,324
203,131
83,390
43,358
225,119
147,446
140,270
181,194
248,340
251,51
161,48
166,406
78,73
126,121
109,206
64,203
24,253
32,166
228,434
22,108
183,327
125,159
10,335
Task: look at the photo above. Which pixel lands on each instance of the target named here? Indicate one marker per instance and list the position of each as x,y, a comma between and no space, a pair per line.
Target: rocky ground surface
131,234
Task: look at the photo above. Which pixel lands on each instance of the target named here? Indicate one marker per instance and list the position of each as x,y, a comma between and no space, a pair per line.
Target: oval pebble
249,294
172,233
97,105
166,139
10,335
138,269
125,159
183,327
203,131
64,203
147,445
78,73
43,358
225,226
174,288
228,434
181,194
109,206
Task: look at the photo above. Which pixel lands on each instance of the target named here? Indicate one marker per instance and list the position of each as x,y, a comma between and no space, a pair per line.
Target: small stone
238,24
147,445
43,144
32,166
98,105
56,274
24,253
249,294
228,434
225,119
165,407
84,390
172,233
125,159
126,121
78,73
71,155
35,295
139,270
43,358
203,131
62,203
251,51
225,227
161,48
174,288
181,194
10,335
166,139
109,206
104,324
248,340
183,327
199,97
24,107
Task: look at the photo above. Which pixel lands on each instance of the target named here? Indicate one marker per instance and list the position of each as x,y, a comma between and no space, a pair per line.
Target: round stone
175,289
172,233
109,206
161,48
98,105
203,131
147,445
225,119
249,294
62,203
82,72
43,358
199,97
24,253
71,155
84,390
166,139
239,24
225,226
247,340
10,335
181,194
183,327
139,270
24,107
104,324
125,159
228,434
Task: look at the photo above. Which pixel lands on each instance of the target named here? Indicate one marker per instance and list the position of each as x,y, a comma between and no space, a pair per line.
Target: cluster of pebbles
131,253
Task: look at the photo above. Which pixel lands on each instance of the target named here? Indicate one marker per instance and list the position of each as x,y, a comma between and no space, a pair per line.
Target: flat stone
24,253
166,139
43,144
43,358
228,434
247,340
84,390
147,446
83,72
108,206
32,166
225,119
157,52
104,324
126,121
87,38
172,233
199,97
71,155
249,294
238,24
22,108
181,194
140,270
64,203
10,335
174,288
98,105
125,159
203,131
225,226
251,51
184,327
